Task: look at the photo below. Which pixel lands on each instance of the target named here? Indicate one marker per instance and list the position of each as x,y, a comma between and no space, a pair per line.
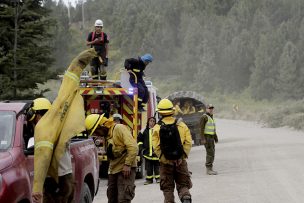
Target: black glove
215,139
105,63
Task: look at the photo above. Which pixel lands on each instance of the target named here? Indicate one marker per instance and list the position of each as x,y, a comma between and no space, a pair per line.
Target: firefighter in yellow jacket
63,191
172,152
121,152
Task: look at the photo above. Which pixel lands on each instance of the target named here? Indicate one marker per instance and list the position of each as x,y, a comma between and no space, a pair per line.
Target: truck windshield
7,123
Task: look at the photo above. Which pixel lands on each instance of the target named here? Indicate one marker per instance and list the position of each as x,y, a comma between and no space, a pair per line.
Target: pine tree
287,84
33,53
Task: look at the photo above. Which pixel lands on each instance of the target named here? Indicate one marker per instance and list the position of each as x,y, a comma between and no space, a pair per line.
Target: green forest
214,47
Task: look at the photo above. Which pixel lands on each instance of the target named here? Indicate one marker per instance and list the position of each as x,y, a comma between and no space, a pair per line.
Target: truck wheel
86,194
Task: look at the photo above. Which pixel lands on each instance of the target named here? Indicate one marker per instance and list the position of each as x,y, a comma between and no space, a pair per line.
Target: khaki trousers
120,189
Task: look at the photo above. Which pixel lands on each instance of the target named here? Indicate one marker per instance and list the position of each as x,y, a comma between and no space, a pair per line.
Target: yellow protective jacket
184,133
124,148
63,120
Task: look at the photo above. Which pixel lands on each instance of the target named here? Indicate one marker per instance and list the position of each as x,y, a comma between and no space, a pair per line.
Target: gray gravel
255,164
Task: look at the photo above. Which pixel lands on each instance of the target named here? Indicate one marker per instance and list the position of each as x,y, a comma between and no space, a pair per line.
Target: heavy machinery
188,100
117,96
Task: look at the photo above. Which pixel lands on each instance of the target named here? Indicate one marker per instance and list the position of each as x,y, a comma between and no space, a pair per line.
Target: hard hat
99,23
93,120
41,104
117,115
147,58
165,107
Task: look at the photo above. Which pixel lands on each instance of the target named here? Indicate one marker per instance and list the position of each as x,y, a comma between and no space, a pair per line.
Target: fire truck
117,96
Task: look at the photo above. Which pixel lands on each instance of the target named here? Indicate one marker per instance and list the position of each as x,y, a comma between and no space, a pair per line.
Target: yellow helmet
93,120
165,107
38,105
41,104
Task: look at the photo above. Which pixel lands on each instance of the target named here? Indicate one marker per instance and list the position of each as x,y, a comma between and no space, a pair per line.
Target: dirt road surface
255,164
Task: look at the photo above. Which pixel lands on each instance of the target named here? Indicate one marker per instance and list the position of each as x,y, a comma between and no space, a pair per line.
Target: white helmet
117,115
99,23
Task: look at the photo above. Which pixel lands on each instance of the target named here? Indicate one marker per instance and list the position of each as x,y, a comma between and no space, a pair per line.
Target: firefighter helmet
165,107
41,104
98,23
92,121
117,115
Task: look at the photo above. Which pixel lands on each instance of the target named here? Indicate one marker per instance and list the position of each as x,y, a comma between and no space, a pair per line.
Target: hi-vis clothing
137,66
208,133
171,174
145,139
210,126
184,133
151,160
63,120
124,148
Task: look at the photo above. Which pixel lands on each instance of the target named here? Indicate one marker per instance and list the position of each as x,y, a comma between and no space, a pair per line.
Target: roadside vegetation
244,52
269,113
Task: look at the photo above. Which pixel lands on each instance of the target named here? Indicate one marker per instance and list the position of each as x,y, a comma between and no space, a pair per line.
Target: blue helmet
147,58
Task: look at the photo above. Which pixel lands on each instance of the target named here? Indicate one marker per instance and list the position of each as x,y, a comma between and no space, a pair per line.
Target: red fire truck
117,96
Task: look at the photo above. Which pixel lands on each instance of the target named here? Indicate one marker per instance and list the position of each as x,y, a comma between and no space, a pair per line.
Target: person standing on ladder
99,40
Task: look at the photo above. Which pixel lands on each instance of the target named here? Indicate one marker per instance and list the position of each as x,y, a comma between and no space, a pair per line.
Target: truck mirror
31,143
30,147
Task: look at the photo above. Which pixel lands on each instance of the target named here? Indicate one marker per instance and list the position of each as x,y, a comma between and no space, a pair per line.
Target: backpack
170,141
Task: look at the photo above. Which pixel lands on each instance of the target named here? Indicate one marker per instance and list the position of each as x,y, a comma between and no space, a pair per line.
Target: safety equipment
147,58
170,141
41,104
63,121
209,126
165,107
92,121
38,105
117,115
98,23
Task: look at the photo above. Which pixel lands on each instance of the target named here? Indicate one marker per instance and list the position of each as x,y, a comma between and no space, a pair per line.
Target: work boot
157,180
210,171
148,182
186,199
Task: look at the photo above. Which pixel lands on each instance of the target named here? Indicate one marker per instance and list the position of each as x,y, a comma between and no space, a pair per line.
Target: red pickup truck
17,160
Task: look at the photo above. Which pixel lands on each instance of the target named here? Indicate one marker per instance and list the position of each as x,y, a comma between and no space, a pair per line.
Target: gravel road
255,164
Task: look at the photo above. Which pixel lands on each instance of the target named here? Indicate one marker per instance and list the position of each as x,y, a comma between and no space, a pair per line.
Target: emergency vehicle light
131,90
